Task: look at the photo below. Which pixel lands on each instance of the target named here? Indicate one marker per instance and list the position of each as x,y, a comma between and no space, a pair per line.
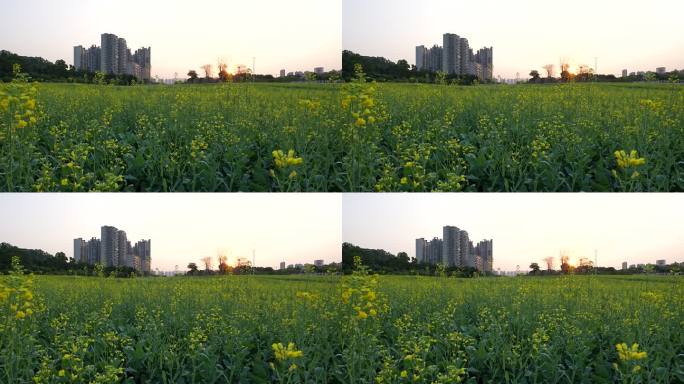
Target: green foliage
358,328
361,136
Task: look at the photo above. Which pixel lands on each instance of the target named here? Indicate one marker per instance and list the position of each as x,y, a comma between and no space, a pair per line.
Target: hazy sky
292,35
295,228
637,228
525,34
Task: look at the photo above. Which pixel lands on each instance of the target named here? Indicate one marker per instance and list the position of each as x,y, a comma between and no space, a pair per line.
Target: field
330,137
355,329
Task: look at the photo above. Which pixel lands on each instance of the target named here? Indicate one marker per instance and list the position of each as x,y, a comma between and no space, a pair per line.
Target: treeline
383,262
40,262
567,269
381,69
43,70
225,269
567,77
194,78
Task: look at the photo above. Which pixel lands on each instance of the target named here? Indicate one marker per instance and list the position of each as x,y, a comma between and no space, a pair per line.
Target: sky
525,228
525,34
295,228
291,35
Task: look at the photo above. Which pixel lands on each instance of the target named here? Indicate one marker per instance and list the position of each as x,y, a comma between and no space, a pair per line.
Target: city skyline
113,249
297,36
637,228
455,249
114,56
455,57
185,228
527,34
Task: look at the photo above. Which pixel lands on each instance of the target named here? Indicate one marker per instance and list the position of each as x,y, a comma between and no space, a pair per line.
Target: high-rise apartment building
624,265
484,250
624,73
451,249
318,263
451,54
434,58
421,57
122,56
79,58
421,250
464,250
282,265
93,251
456,57
455,249
110,54
434,251
282,73
122,250
79,250
109,246
143,250
114,57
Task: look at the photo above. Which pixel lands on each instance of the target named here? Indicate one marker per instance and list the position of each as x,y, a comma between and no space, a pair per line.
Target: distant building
79,58
282,265
660,263
109,251
93,251
114,57
661,70
114,250
122,250
282,73
421,248
624,265
79,250
451,246
318,263
434,58
319,70
485,250
451,54
421,57
456,57
624,73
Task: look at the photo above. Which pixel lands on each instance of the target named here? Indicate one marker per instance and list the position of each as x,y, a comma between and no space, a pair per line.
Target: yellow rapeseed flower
282,353
20,315
627,354
625,161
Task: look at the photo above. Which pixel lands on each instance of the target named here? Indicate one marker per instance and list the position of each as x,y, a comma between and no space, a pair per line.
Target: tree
535,76
565,263
207,263
207,70
192,74
549,263
193,269
549,70
223,70
223,265
535,268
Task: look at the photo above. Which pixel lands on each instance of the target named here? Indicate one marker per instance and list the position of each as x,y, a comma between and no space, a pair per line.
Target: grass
360,328
354,137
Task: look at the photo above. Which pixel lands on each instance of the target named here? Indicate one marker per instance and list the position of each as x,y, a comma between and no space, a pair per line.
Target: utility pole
253,68
595,261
